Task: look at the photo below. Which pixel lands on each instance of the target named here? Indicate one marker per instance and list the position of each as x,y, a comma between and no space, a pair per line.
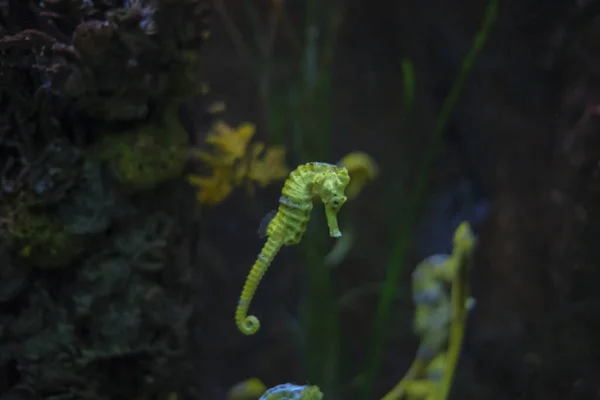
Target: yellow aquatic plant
271,166
235,161
215,188
230,143
362,169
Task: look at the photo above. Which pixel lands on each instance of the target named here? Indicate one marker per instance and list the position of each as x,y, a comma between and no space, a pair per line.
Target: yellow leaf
270,168
213,189
231,142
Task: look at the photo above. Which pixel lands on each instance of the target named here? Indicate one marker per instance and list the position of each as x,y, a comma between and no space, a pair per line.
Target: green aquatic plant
439,320
403,236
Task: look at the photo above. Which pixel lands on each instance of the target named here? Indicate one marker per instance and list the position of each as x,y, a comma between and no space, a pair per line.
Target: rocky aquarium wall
96,272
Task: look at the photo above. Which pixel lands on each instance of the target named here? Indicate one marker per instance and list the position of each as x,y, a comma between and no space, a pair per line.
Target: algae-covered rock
90,92
148,155
63,201
38,237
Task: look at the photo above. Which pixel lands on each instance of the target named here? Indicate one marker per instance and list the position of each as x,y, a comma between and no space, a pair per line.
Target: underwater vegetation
440,319
95,290
362,169
235,162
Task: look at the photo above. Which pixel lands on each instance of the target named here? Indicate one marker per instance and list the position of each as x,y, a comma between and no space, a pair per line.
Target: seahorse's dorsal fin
264,223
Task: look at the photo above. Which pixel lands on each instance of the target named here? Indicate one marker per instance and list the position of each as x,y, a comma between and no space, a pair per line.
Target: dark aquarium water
299,200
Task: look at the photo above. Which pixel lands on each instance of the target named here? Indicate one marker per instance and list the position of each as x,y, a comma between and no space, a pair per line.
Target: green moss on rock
38,237
147,156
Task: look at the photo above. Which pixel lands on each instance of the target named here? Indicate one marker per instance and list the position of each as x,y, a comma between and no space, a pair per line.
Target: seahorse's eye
335,203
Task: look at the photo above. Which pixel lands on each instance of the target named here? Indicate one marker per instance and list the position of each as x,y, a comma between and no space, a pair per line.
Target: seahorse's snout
334,230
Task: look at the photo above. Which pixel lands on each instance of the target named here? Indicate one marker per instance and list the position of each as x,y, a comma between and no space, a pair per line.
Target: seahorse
286,227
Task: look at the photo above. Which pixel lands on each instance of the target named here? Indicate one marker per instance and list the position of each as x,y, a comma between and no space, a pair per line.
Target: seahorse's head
331,189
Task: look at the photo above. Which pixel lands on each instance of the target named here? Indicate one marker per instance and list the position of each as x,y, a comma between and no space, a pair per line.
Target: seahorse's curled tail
249,324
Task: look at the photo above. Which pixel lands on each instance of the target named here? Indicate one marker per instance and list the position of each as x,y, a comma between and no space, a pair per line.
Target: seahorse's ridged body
289,224
295,205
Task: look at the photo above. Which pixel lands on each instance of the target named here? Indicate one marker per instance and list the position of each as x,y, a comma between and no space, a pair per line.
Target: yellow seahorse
286,227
